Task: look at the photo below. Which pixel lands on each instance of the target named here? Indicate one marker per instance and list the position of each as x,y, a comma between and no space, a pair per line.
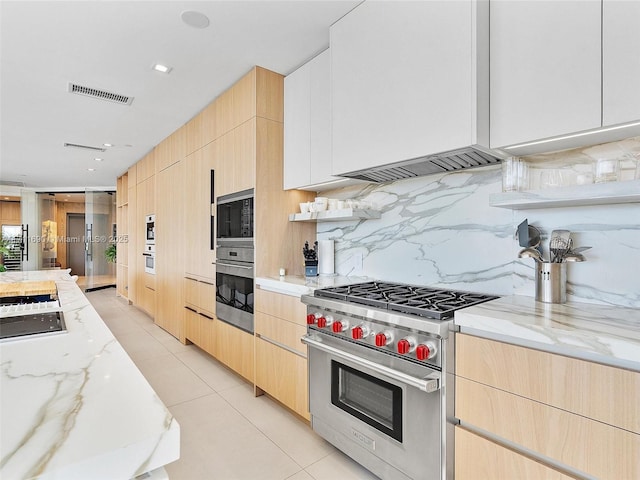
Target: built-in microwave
150,221
235,219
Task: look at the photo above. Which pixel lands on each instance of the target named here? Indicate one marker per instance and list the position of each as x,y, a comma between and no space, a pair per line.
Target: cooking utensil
523,234
578,250
534,236
559,244
530,252
573,257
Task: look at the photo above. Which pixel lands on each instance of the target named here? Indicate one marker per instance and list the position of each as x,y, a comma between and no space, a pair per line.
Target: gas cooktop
428,302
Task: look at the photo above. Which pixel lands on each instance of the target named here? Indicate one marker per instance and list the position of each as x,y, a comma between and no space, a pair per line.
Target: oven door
384,412
234,294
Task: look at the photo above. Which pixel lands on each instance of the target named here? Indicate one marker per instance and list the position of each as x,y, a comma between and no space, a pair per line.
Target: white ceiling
111,45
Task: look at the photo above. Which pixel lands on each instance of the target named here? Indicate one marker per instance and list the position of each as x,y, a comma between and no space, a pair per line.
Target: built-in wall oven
150,228
234,286
235,259
149,255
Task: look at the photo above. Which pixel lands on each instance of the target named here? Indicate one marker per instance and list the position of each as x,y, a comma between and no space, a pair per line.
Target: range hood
449,161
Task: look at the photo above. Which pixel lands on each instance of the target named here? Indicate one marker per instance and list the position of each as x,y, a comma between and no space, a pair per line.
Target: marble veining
75,405
440,230
600,333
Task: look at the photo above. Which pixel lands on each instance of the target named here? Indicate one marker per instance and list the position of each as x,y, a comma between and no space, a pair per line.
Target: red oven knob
406,345
338,326
359,332
383,339
311,319
425,351
325,321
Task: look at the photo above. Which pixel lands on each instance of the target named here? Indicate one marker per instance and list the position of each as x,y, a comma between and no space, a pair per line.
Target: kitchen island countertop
74,405
600,333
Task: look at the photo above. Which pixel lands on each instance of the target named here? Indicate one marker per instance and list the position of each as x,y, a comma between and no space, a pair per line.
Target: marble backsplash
440,230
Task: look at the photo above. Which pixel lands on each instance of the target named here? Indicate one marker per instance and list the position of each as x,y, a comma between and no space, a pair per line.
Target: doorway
76,243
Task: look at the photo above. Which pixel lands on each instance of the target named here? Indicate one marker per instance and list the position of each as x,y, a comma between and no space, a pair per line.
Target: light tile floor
226,432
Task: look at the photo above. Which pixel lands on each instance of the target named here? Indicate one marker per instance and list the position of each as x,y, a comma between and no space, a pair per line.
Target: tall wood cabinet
554,414
170,248
121,240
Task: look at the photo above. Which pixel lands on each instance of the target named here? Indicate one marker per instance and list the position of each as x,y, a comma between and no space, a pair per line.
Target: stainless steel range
378,356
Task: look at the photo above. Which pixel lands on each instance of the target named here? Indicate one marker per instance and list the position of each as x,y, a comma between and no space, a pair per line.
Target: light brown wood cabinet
581,415
201,330
144,282
479,458
198,210
122,220
170,249
132,245
234,348
281,359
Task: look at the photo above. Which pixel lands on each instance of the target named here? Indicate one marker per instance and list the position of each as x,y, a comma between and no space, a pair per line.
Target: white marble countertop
74,405
297,286
600,333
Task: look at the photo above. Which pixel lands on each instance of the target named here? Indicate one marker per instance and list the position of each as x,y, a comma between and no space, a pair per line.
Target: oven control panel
400,342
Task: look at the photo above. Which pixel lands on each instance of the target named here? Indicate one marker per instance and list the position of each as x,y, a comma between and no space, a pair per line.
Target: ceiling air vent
100,94
86,147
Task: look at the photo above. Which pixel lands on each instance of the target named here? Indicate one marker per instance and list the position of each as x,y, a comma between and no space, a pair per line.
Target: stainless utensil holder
551,282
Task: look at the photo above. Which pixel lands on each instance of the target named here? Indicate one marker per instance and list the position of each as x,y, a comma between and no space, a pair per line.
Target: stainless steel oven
235,286
235,218
378,387
387,415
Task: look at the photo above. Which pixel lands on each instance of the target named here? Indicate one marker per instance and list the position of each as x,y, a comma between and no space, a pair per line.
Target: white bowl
320,206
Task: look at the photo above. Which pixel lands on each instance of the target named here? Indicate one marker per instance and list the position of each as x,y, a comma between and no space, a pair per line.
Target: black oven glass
234,291
371,400
235,219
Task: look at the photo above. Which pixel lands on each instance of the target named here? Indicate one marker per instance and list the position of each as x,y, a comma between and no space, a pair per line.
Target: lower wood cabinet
478,458
234,348
281,358
283,375
200,295
576,415
201,330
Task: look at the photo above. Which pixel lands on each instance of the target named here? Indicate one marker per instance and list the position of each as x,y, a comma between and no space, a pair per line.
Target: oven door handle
246,267
429,384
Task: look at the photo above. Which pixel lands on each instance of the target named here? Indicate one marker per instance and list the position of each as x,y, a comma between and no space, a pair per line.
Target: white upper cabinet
620,61
545,66
402,82
307,124
297,131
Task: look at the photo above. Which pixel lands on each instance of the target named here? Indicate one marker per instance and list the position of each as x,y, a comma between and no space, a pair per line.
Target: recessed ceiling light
6,198
107,144
98,159
158,67
91,169
195,19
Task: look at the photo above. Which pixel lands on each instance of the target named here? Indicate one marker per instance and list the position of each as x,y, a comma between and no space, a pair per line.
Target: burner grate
414,300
